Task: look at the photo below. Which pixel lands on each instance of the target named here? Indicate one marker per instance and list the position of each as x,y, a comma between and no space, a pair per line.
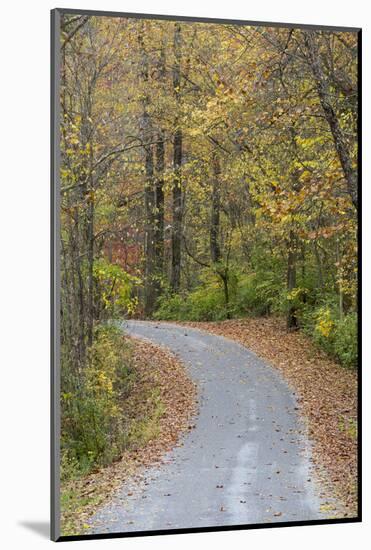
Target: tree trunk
149,237
224,277
177,162
319,266
292,320
341,146
90,249
215,212
149,191
159,187
340,283
90,258
159,205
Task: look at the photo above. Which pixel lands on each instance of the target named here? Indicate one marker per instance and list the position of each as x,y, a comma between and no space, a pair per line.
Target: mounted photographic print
205,260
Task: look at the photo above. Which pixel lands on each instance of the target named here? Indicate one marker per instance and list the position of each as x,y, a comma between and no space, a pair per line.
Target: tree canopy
206,164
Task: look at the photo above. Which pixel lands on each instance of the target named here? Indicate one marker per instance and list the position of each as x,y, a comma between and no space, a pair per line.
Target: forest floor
326,392
159,374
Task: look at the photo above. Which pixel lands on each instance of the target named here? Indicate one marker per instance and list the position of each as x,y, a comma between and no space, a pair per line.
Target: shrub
171,307
203,304
207,304
250,294
263,293
346,340
93,428
338,337
258,294
113,289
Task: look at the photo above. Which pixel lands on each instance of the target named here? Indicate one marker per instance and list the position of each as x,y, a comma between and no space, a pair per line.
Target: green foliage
261,289
349,426
203,304
258,294
338,337
248,295
113,288
171,307
93,428
262,294
345,340
73,503
100,414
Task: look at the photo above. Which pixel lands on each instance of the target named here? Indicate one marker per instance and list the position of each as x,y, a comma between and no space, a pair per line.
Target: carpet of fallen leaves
326,392
158,371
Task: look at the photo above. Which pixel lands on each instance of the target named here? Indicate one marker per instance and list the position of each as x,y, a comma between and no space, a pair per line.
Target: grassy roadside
327,396
159,407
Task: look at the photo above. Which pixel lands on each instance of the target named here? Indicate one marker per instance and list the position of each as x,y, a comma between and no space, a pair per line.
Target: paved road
247,461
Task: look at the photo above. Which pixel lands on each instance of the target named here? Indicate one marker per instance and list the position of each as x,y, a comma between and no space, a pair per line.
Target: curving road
247,460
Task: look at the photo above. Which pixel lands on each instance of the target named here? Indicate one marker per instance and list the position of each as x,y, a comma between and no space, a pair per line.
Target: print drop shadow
42,528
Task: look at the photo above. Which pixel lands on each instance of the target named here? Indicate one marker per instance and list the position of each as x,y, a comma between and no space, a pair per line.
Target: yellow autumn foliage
325,324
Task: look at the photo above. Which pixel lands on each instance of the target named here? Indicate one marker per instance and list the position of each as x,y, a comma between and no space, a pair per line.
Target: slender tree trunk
149,190
303,271
340,284
292,320
215,212
324,94
159,204
159,187
149,235
177,162
224,277
77,291
319,266
215,252
66,299
73,251
90,252
90,282
177,215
